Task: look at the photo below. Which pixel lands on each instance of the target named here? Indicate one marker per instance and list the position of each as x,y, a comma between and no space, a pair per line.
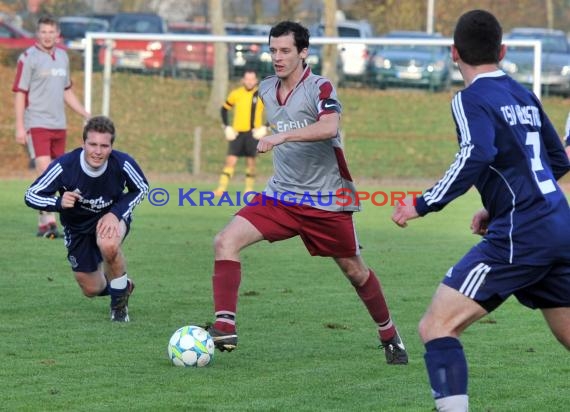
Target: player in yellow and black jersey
245,129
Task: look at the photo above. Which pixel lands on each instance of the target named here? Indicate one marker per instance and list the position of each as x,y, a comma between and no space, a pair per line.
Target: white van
353,56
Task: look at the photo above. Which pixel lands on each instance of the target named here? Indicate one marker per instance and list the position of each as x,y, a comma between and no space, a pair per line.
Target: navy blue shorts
245,145
82,251
490,282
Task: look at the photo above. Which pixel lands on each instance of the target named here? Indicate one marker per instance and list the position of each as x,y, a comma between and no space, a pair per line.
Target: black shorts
245,145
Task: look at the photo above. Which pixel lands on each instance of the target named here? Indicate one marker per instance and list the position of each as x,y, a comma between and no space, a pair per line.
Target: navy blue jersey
102,190
509,150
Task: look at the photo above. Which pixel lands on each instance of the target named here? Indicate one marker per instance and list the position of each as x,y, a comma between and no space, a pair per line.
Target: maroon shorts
324,233
46,142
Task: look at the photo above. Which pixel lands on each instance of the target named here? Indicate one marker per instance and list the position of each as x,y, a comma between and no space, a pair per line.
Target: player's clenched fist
480,222
68,199
268,142
404,211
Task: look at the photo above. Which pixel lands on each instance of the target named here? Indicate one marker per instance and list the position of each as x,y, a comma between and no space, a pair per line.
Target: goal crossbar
92,37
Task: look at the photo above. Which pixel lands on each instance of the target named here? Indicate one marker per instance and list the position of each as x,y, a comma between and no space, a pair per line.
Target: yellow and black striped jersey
248,109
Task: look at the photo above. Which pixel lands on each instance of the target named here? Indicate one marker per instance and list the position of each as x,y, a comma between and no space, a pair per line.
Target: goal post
89,56
92,37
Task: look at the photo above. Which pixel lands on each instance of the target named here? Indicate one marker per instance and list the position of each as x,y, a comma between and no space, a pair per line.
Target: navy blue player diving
510,151
94,189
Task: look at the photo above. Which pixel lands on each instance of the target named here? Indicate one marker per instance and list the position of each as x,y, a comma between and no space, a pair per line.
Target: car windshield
73,30
189,30
556,44
413,48
137,25
6,33
348,32
342,31
244,31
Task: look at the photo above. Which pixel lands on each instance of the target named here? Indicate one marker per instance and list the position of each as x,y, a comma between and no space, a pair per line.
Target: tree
221,68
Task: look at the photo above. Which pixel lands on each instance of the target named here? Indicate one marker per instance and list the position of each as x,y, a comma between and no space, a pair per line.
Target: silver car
519,61
353,57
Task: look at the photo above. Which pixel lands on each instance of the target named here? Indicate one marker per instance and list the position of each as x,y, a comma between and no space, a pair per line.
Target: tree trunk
257,10
221,67
330,51
288,9
549,14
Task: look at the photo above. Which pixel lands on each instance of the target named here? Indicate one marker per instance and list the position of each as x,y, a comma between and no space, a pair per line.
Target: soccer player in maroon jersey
304,113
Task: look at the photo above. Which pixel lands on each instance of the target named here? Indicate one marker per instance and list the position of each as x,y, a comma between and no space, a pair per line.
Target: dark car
108,17
264,65
73,29
519,61
142,55
242,54
415,65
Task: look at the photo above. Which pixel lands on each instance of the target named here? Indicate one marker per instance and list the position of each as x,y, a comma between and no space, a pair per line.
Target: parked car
12,37
353,57
143,55
73,29
412,65
456,76
108,17
194,58
519,61
243,54
264,65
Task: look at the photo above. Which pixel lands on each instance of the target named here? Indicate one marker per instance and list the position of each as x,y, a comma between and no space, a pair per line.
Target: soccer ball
191,346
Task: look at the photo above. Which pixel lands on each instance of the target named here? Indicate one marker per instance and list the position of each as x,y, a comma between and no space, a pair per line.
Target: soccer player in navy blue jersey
508,150
567,135
94,189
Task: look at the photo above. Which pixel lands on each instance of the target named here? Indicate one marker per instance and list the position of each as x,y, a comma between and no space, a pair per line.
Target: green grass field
306,341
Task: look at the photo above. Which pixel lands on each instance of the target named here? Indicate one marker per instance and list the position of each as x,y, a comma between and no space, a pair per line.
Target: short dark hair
300,33
49,20
477,38
101,124
249,69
